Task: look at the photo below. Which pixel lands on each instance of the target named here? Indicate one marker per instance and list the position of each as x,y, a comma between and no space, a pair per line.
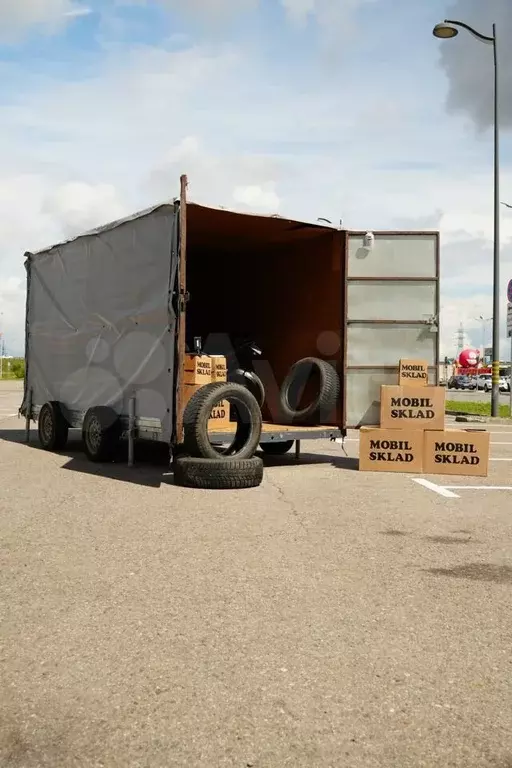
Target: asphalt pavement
328,618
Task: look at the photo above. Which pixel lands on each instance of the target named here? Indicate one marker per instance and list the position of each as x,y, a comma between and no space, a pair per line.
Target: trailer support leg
28,416
297,450
131,431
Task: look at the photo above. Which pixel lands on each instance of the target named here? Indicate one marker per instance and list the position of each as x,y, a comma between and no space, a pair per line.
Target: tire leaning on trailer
192,472
196,441
52,427
101,433
326,399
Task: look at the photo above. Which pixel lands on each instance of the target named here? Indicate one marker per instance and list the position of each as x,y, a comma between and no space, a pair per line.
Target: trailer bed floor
278,432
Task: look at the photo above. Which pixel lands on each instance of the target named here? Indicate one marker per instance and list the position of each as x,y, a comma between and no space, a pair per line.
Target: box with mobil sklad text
197,370
410,407
413,372
219,368
457,452
389,450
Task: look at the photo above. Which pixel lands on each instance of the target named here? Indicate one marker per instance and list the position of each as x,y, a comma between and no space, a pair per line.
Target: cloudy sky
347,109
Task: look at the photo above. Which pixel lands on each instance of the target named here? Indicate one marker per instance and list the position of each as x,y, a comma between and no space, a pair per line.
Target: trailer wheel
293,386
196,441
277,449
53,428
101,433
193,472
252,381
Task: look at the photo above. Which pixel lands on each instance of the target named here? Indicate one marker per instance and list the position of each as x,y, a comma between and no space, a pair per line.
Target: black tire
324,403
191,472
250,380
53,428
196,441
101,433
277,449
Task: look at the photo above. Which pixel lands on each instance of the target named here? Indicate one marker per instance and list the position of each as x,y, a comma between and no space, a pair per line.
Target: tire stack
201,464
204,465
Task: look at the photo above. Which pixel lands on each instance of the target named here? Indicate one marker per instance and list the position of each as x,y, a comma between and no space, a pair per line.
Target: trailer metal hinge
432,322
183,299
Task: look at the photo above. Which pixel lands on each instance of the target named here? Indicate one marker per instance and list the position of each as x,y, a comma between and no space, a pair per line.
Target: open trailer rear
112,314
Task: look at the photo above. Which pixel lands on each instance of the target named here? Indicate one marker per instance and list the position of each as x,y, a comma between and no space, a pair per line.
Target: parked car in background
461,382
485,382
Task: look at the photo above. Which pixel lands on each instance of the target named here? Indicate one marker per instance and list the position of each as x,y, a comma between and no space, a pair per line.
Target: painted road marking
448,490
441,490
493,459
481,487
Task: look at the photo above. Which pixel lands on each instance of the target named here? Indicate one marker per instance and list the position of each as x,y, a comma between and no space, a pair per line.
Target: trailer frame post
297,450
131,430
28,416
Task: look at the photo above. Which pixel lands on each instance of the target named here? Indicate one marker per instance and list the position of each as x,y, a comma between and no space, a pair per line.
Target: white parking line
481,487
441,490
493,459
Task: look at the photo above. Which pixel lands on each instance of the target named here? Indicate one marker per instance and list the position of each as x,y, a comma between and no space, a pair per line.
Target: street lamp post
446,30
483,320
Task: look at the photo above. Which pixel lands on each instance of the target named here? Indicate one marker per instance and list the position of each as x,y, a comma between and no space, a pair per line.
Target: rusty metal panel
391,300
393,255
383,345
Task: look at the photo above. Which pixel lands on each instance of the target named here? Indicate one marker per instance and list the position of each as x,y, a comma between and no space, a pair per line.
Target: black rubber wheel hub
101,433
53,427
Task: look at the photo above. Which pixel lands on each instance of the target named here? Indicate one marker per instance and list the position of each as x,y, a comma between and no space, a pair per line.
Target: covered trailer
109,313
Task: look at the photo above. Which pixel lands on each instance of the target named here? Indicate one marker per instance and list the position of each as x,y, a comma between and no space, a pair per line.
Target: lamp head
444,31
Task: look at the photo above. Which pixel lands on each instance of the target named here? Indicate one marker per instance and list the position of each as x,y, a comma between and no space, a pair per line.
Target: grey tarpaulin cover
101,318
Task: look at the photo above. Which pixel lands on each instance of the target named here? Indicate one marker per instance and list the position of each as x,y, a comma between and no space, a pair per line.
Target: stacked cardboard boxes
412,437
201,370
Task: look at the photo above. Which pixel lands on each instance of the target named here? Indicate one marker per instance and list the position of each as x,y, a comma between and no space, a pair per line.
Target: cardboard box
390,450
219,419
198,370
219,368
412,407
457,452
413,373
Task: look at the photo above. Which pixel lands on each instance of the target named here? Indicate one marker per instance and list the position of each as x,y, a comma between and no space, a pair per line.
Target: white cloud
76,206
209,7
249,135
255,196
299,10
248,180
334,16
469,63
16,15
78,11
